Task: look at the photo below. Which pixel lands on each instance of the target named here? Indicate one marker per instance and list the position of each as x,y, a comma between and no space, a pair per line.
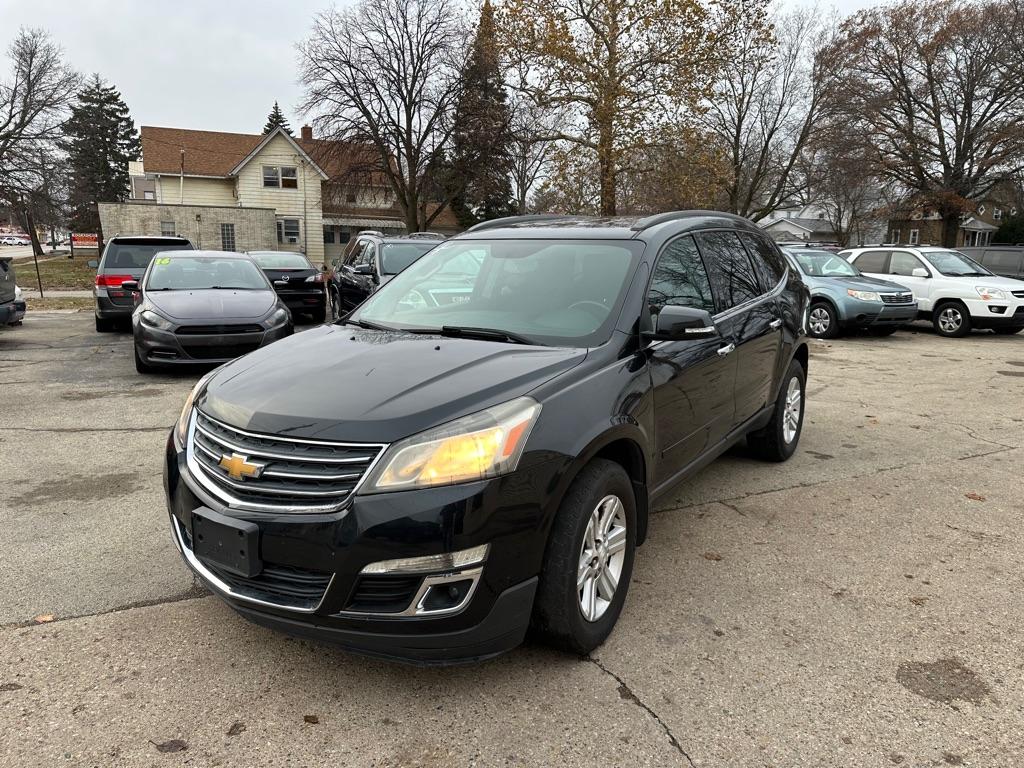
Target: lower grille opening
284,585
219,351
383,594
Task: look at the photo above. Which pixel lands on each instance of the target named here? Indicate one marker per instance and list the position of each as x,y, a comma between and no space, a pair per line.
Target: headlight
863,295
988,294
181,428
153,320
278,317
475,447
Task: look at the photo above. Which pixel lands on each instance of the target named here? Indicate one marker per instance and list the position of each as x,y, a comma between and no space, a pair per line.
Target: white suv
952,290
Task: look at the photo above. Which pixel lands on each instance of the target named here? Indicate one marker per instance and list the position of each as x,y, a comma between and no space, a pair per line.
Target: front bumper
166,348
335,547
865,314
996,314
300,301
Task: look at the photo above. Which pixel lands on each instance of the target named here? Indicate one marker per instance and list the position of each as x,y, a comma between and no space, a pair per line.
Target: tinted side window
680,279
767,262
872,261
904,263
353,255
732,275
1003,261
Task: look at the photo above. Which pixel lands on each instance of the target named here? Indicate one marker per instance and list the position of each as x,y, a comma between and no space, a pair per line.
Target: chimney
307,133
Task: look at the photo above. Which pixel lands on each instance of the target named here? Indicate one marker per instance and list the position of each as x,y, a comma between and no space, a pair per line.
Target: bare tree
34,101
766,104
935,88
532,147
383,77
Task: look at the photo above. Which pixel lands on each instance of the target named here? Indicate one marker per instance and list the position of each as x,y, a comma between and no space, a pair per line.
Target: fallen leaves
714,556
10,687
311,719
974,496
43,618
919,600
174,745
236,728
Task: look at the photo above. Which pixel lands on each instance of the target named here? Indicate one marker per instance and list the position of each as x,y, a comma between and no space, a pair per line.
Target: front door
901,270
693,380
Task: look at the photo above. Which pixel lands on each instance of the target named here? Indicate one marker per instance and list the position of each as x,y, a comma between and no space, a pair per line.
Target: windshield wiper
492,334
368,325
229,288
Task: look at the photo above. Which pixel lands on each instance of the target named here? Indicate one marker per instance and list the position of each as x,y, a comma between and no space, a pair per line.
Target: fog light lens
440,597
446,561
997,310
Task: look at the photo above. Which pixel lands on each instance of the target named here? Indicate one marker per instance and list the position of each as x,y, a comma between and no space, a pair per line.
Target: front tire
822,321
777,441
589,560
141,365
952,320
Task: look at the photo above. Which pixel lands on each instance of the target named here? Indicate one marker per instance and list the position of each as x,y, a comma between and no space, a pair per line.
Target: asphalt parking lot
860,605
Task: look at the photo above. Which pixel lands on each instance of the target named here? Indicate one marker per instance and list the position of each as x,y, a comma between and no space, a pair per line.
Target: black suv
425,482
369,261
124,260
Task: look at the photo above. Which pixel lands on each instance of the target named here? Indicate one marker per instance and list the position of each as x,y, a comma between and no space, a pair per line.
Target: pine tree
276,119
481,162
100,139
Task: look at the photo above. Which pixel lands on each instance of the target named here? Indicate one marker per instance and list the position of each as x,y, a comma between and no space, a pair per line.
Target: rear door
692,380
1007,263
874,262
748,314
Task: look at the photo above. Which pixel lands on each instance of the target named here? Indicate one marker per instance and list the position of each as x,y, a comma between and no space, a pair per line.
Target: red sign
84,240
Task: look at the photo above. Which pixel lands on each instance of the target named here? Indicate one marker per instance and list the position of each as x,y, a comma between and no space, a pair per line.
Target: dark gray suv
125,260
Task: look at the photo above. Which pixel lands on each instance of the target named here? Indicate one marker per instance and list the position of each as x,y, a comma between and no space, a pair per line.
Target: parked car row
15,240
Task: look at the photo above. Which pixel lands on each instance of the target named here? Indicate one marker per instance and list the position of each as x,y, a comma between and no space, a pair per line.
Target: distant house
923,226
237,191
801,228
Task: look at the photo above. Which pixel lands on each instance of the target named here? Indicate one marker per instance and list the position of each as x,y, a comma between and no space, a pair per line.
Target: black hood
343,383
220,306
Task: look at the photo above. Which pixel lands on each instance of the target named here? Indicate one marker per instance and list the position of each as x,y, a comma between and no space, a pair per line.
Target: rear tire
141,365
822,321
951,319
1007,331
104,325
594,525
777,441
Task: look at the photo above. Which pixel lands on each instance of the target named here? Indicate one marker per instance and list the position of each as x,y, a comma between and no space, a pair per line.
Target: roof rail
426,236
510,220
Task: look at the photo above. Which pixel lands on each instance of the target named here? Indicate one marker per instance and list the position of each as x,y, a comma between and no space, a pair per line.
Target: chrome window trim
196,474
197,565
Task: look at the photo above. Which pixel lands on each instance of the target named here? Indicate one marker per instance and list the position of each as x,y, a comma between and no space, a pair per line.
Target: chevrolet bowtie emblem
238,466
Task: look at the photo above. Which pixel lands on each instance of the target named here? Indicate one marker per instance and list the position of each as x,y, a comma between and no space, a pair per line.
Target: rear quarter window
872,261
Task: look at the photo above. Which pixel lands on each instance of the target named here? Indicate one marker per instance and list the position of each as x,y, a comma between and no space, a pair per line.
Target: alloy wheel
819,320
602,556
791,412
950,320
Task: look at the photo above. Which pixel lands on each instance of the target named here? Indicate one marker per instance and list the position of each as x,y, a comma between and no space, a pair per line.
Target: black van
124,260
1003,260
425,481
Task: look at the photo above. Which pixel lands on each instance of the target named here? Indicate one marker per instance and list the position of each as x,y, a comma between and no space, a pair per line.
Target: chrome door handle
775,324
723,351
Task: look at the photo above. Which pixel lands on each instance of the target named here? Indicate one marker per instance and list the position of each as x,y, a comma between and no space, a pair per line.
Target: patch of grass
71,302
58,274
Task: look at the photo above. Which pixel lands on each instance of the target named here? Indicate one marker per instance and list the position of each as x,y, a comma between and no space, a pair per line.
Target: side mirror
92,263
919,272
675,323
363,269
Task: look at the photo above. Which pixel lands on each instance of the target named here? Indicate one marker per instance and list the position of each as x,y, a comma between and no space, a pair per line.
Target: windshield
197,273
954,263
280,260
129,255
397,256
565,293
824,264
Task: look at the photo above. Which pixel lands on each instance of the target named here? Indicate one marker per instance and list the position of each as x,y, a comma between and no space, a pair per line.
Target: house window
350,197
280,176
1013,211
288,231
167,229
895,236
997,213
227,237
329,235
344,237
981,209
915,236
149,195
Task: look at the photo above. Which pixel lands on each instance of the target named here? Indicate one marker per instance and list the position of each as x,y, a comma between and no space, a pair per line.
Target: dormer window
997,213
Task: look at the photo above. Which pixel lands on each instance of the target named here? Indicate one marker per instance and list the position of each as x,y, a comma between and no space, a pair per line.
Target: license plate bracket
226,542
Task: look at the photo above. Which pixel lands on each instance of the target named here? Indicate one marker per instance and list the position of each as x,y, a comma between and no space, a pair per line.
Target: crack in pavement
626,692
71,430
194,592
970,432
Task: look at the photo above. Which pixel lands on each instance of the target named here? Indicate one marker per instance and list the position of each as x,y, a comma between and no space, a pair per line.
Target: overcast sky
204,64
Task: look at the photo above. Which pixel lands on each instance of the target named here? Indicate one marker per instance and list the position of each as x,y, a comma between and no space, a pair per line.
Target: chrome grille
297,475
897,298
1018,294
